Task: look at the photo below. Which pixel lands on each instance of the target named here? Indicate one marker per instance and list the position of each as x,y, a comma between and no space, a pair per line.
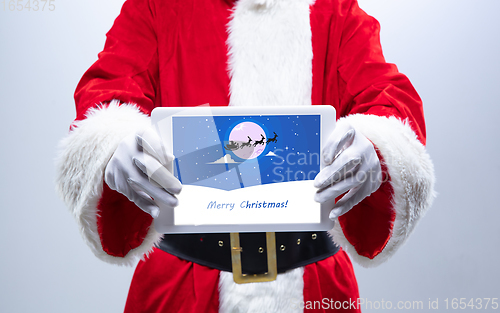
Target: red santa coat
249,52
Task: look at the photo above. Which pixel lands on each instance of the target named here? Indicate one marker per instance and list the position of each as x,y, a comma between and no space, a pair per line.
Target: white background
449,49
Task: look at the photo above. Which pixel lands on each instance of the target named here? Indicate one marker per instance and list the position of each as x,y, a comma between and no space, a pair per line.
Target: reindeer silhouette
260,142
232,145
272,139
246,144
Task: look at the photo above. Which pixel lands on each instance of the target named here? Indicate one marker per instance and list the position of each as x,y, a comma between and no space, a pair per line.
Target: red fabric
349,69
350,73
121,225
368,225
331,279
161,53
165,283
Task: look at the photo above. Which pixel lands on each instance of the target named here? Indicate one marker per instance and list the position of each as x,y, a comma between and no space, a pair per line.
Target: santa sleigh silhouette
235,145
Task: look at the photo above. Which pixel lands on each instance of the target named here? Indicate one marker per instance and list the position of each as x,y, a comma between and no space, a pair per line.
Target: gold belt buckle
272,267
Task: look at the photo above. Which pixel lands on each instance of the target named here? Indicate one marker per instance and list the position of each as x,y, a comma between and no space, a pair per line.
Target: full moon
250,139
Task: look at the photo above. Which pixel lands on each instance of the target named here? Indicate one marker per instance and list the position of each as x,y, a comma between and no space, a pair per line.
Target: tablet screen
244,169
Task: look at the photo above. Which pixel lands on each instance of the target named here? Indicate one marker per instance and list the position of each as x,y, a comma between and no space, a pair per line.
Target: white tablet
245,169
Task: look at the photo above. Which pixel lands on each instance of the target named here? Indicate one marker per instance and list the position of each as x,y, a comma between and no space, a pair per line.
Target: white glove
138,170
351,164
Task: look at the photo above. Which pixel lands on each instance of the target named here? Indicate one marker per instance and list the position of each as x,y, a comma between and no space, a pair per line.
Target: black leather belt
214,250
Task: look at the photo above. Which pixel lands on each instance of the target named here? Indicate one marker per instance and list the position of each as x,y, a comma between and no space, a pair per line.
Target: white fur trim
412,179
270,53
270,64
84,154
284,295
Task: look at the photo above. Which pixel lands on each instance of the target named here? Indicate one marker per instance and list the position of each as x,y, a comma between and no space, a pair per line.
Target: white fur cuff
82,158
412,179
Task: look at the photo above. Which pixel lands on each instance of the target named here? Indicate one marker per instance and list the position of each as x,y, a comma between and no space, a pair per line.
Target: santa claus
245,53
